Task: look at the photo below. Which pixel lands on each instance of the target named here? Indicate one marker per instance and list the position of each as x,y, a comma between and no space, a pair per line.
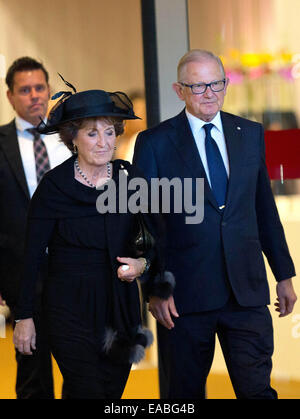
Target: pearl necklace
86,178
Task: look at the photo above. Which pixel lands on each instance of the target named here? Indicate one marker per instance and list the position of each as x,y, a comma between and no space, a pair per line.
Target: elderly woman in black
91,296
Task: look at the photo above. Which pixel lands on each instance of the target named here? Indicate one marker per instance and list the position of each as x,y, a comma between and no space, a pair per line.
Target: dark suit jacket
224,251
14,202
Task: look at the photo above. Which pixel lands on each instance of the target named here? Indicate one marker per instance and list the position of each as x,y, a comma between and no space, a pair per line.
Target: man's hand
286,297
24,336
163,310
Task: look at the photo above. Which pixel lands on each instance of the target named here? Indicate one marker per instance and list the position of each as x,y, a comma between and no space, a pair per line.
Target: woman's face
95,142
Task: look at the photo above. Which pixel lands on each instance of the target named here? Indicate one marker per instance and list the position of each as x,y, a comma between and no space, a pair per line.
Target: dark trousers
186,352
34,372
89,374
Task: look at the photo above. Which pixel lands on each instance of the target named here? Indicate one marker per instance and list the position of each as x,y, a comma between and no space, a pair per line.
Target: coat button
223,224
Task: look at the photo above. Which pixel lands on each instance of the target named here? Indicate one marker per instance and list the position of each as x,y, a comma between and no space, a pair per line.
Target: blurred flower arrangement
251,66
262,82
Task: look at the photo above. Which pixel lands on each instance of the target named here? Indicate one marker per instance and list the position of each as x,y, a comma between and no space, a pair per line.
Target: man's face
205,105
29,96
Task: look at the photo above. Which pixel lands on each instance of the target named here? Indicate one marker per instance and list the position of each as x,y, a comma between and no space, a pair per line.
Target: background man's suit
14,202
219,261
34,378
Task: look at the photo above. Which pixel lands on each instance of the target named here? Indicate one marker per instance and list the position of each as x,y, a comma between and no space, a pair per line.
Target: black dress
82,295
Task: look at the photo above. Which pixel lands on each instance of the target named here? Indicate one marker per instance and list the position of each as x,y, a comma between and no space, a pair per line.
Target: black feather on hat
86,104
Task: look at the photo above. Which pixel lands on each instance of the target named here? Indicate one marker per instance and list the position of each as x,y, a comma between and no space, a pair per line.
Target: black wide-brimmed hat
86,104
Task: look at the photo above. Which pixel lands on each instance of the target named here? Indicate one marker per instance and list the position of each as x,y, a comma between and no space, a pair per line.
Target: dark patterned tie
217,171
42,164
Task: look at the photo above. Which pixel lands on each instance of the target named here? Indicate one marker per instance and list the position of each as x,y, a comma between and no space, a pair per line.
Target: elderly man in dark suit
221,285
24,158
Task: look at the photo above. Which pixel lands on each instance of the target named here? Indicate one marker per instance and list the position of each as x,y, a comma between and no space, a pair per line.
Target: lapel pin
239,128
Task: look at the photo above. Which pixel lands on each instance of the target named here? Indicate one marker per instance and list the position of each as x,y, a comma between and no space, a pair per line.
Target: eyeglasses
199,88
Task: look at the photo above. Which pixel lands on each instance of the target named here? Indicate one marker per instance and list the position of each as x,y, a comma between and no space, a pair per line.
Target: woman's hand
24,336
131,268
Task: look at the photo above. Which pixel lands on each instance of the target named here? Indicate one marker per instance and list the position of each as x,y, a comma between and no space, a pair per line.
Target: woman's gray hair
195,55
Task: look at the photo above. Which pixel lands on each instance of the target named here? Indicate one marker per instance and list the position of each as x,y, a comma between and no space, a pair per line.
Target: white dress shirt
57,151
217,133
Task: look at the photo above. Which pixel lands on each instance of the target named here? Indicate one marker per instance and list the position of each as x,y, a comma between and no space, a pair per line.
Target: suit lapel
233,138
184,141
10,146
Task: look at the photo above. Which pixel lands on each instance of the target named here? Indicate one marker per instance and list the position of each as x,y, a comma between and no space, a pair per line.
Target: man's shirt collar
196,123
23,125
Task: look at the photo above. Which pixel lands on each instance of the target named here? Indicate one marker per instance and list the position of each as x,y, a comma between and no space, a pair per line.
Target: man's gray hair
197,55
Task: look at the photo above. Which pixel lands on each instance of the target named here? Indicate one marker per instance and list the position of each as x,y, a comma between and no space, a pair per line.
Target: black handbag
144,240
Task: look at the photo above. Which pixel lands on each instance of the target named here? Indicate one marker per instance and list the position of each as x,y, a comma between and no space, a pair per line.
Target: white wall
92,43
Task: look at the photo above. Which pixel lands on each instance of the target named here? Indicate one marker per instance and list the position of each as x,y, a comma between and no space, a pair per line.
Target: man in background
24,157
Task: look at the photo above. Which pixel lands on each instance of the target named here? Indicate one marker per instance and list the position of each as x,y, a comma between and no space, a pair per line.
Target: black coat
14,203
57,199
